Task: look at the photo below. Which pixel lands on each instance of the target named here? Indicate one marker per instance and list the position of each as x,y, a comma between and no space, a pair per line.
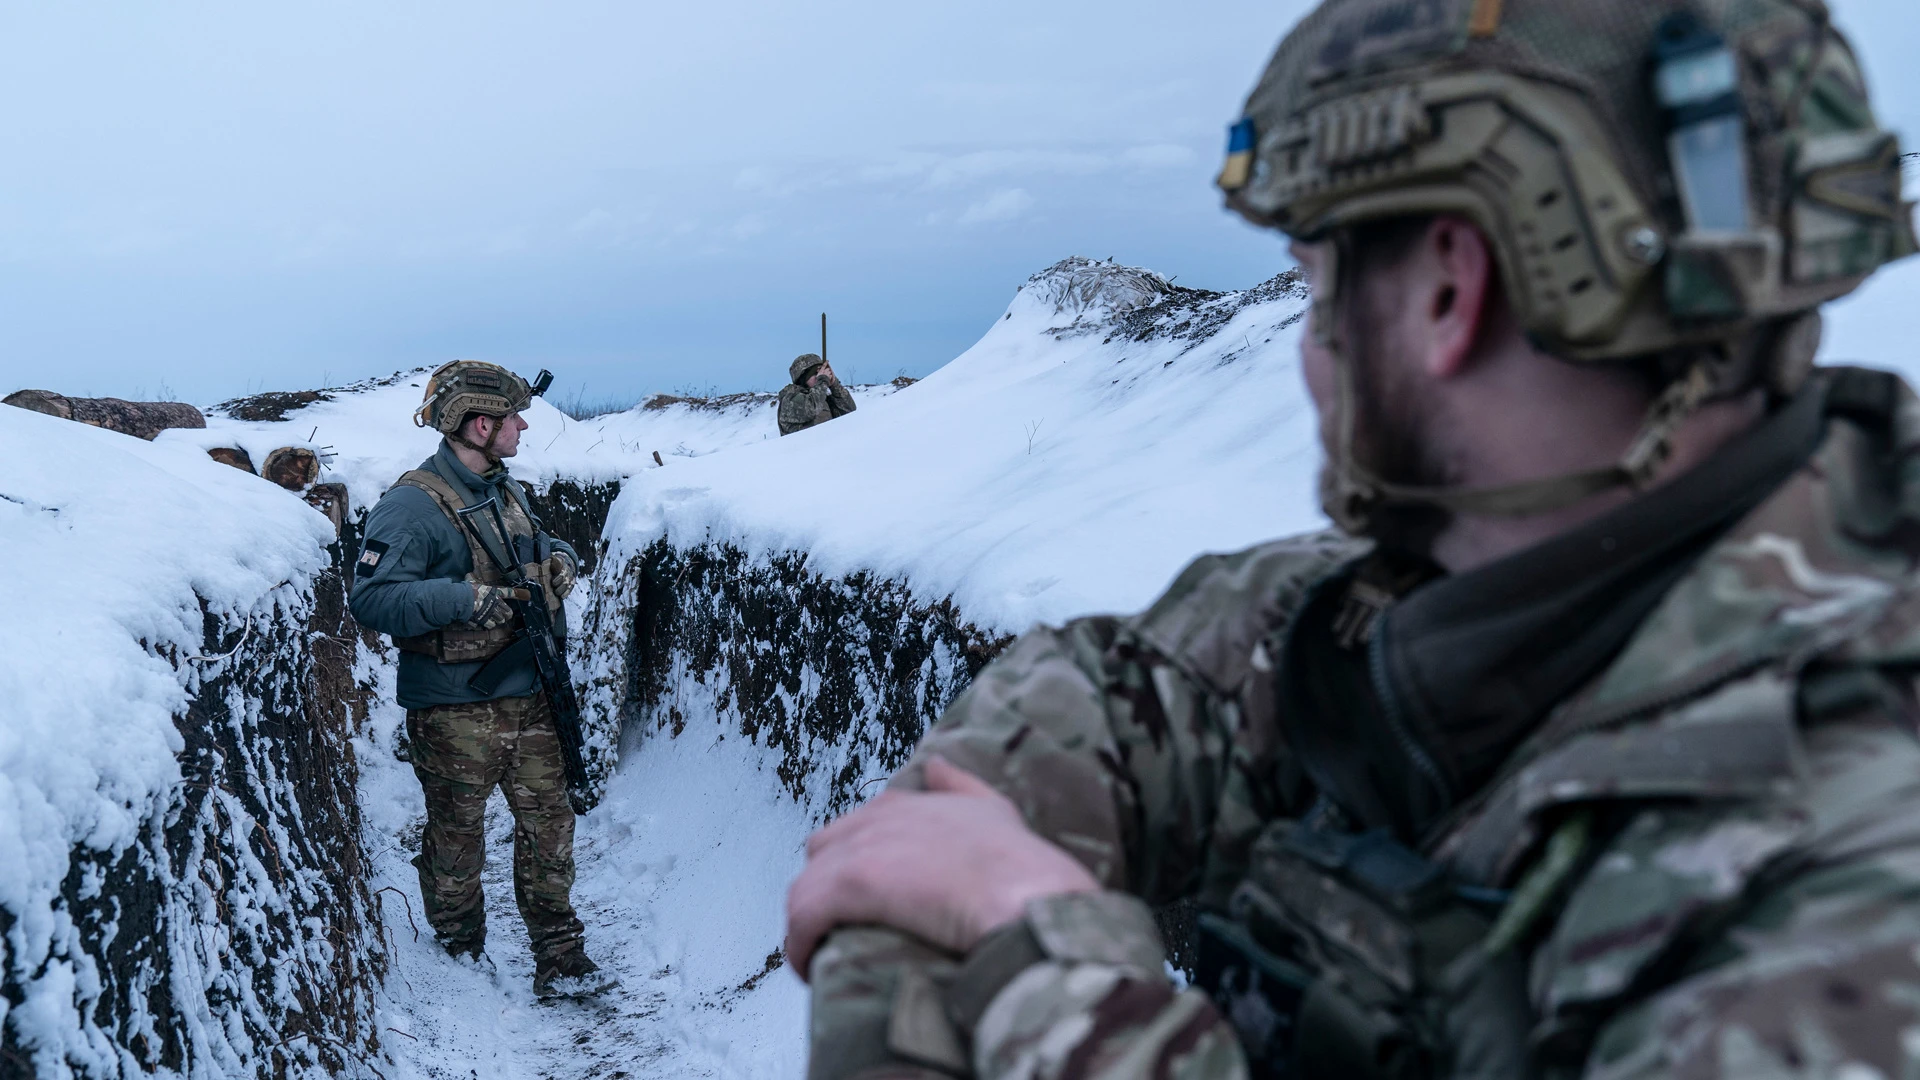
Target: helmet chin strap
1351,492
493,460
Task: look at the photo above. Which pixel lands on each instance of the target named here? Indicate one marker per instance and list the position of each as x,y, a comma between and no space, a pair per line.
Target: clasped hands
948,865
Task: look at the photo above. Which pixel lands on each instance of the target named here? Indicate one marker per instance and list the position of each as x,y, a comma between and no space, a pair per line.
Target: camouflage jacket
1702,861
802,407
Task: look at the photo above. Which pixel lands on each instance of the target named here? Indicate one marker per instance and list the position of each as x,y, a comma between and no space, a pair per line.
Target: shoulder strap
450,503
435,485
519,492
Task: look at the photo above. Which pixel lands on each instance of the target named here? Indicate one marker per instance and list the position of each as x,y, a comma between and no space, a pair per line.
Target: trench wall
836,675
236,938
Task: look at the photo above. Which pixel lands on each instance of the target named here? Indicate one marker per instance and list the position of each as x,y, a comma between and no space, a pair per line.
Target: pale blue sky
224,197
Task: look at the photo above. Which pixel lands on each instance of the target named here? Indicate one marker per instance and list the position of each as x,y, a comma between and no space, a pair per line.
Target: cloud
1003,205
985,164
1158,156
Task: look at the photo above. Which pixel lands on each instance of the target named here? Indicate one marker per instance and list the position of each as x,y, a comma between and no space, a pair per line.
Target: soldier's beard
1394,434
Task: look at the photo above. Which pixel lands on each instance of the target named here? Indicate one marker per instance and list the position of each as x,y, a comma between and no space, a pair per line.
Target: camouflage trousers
461,753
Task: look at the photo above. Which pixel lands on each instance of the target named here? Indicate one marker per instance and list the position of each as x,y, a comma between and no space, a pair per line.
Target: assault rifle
537,641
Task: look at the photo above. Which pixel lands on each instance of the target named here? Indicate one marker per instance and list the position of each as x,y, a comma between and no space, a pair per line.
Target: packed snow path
674,870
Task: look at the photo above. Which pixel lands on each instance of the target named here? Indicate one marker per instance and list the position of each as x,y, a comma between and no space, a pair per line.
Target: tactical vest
463,642
1350,955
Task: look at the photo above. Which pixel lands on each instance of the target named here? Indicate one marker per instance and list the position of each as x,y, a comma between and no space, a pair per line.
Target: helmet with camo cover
1654,177
803,365
465,387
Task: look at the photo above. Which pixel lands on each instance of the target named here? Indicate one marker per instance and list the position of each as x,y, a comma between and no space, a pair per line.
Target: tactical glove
491,607
560,572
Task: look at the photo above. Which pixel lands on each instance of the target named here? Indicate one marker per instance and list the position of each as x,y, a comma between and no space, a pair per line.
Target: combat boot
569,974
471,952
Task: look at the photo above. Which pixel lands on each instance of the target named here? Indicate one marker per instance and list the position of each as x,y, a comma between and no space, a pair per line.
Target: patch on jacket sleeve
370,557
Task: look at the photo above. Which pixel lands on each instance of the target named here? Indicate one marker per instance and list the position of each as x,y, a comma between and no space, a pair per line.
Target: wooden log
331,500
40,401
292,467
234,456
140,419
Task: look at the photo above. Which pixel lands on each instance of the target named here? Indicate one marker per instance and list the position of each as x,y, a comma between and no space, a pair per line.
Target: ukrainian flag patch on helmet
1239,167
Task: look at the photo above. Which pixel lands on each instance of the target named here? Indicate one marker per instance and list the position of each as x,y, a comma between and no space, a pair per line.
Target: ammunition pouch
459,643
1348,955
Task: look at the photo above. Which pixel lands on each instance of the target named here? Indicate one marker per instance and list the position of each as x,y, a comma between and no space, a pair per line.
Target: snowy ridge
367,438
1107,428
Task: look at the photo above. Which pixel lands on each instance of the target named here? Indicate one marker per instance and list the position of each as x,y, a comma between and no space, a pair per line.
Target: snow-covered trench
773,626
770,625
205,835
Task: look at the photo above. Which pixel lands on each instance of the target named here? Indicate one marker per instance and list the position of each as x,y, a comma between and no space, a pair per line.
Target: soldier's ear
1451,291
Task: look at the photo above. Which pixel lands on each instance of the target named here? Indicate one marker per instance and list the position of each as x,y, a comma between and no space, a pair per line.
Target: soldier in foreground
814,396
476,716
1586,744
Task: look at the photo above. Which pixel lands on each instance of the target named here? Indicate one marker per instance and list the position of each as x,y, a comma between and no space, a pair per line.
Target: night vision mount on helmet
1655,177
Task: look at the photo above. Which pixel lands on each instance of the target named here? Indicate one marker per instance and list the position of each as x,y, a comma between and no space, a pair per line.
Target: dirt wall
837,674
237,938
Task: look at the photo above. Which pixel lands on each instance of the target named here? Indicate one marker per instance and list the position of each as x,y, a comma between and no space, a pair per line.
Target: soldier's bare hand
948,865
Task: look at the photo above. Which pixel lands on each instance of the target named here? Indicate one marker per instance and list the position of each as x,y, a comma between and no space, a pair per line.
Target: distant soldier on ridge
815,395
426,580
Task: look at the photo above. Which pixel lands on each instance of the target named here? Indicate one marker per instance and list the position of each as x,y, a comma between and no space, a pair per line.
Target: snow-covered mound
172,769
1108,428
366,436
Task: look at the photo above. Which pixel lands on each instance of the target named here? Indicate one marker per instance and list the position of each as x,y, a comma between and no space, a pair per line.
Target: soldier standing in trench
423,579
1586,744
814,396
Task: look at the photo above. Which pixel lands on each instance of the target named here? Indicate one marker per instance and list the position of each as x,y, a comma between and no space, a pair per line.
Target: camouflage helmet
1651,174
803,365
1686,179
464,387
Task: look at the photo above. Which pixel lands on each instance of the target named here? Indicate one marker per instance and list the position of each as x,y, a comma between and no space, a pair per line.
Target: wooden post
331,500
292,467
232,455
